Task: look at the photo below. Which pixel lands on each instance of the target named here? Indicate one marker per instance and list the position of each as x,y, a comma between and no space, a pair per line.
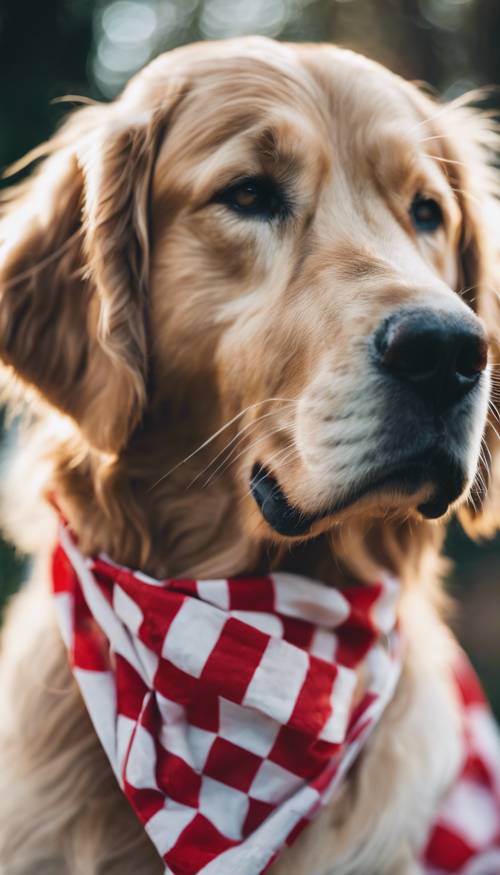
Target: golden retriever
247,308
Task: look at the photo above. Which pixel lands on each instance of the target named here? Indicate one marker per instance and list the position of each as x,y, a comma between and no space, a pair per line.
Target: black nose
441,355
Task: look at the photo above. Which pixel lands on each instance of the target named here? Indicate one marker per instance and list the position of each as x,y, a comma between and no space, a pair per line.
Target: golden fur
162,346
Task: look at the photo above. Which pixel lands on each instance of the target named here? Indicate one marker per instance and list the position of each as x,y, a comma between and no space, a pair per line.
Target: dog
249,320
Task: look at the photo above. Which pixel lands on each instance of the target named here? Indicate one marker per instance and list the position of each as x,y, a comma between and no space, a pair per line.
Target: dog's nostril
441,355
473,357
414,354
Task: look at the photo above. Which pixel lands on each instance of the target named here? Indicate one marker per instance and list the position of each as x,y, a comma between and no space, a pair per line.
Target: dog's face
313,266
313,256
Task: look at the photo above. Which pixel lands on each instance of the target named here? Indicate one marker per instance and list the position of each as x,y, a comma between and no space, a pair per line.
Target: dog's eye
256,197
426,214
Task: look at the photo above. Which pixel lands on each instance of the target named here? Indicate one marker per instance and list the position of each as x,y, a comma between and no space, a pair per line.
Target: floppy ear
74,263
470,143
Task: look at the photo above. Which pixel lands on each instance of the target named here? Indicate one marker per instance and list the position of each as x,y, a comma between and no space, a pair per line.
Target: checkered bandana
230,709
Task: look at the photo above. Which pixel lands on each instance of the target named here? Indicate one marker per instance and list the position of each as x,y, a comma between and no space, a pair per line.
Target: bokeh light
222,18
128,33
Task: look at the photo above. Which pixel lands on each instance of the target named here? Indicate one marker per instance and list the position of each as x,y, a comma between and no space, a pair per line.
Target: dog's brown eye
426,214
256,197
246,196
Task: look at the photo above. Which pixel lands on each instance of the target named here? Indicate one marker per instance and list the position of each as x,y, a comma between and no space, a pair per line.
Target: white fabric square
200,743
224,806
247,728
344,685
380,665
140,766
98,689
297,596
214,591
484,865
148,660
64,609
165,827
324,644
173,735
384,609
273,783
278,679
267,623
128,610
152,581
198,623
468,811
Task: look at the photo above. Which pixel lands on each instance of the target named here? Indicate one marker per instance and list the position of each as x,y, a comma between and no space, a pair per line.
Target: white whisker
248,449
215,435
248,428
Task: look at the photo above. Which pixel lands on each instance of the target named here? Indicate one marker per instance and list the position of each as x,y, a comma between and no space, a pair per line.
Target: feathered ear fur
468,142
74,263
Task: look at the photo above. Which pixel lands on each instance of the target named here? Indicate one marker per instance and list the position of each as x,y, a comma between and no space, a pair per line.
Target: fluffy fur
161,345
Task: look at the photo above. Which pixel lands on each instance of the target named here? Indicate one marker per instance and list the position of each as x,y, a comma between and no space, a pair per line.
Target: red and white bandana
229,709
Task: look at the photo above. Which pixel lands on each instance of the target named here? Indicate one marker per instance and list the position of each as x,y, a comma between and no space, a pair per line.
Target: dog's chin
428,486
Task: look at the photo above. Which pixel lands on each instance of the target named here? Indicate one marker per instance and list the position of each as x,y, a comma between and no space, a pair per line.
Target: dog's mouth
443,474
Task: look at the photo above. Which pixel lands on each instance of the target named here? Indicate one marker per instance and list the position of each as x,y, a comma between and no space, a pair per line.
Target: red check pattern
226,707
466,834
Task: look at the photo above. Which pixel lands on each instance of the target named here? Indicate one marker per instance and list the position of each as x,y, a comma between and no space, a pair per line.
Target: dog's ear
469,143
74,262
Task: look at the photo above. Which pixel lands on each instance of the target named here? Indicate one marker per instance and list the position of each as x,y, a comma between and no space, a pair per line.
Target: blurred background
50,48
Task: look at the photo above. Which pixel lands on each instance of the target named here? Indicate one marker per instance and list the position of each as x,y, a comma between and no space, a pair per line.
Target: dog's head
277,261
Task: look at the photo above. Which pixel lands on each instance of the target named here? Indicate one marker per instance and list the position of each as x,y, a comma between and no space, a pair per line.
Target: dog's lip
435,467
